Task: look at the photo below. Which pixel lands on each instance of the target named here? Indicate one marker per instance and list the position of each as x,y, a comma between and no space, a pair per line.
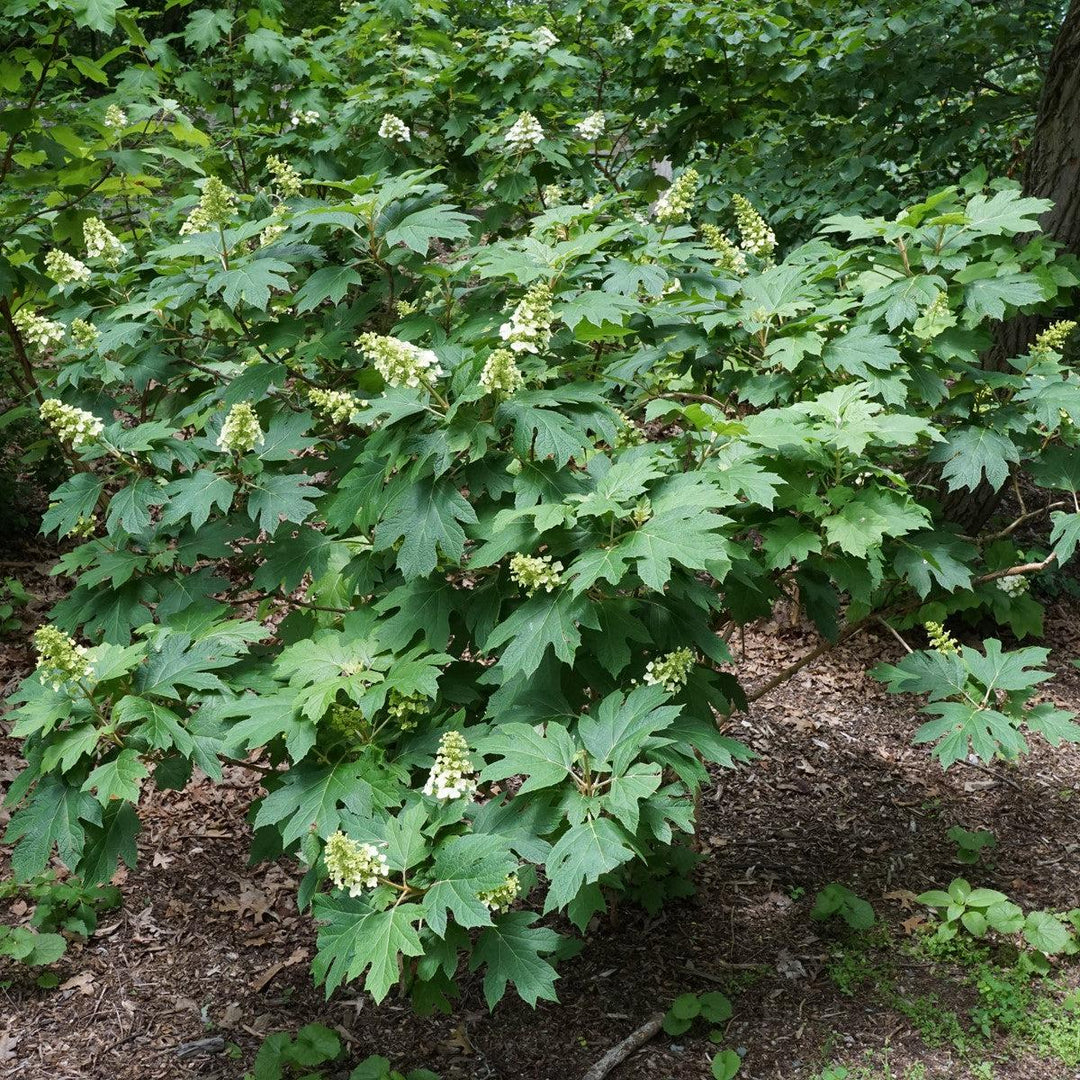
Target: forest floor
206,947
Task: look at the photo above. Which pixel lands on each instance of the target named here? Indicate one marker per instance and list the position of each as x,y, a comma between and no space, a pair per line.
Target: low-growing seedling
283,1057
12,597
713,1007
981,910
67,907
29,947
725,1065
970,845
837,900
378,1068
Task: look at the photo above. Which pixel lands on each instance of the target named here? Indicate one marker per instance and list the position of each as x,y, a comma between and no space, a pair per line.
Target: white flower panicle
70,425
553,194
304,118
65,269
240,433
535,572
670,670
622,35
592,127
940,639
1013,584
394,128
215,207
502,896
543,39
101,243
272,232
286,181
399,362
728,256
529,326
452,775
36,330
525,133
83,333
115,118
755,235
352,865
675,203
338,406
60,661
501,374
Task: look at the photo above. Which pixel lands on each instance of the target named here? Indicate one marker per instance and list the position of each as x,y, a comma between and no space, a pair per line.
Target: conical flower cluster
728,256
592,127
501,374
535,572
240,433
338,406
60,661
115,118
287,181
101,242
1053,338
756,236
215,207
65,269
543,39
628,434
407,709
675,203
529,326
940,639
37,331
352,865
83,333
399,362
525,133
502,896
670,670
1013,584
394,128
452,776
71,425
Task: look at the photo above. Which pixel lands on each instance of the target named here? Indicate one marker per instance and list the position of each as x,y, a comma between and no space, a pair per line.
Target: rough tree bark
1051,171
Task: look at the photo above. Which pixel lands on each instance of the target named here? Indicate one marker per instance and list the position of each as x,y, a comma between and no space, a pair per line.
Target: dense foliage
425,445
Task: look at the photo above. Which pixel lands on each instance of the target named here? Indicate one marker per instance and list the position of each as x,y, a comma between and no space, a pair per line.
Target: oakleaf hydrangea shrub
434,499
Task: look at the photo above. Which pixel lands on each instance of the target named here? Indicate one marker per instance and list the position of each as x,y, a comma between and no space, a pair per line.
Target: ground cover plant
426,403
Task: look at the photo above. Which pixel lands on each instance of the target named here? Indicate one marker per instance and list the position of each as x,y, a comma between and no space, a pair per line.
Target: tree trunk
1051,171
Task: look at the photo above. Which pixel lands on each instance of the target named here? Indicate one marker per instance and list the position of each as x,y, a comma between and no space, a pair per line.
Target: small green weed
970,845
12,597
282,1057
715,1008
838,900
1053,1029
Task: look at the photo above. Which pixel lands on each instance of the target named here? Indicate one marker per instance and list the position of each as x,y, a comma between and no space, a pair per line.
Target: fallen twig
213,1045
621,1051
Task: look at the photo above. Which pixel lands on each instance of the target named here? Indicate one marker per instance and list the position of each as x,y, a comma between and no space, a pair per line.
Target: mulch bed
206,947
